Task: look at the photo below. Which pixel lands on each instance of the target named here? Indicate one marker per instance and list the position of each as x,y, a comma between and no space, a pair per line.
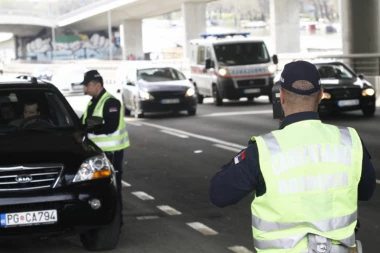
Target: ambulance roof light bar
223,35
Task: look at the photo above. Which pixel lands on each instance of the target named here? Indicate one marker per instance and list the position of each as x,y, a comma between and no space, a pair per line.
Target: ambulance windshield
244,53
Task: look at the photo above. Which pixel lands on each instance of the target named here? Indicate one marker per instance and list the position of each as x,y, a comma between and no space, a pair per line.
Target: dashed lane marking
222,114
174,134
239,249
169,210
227,148
202,228
198,136
125,184
151,217
133,123
142,195
377,181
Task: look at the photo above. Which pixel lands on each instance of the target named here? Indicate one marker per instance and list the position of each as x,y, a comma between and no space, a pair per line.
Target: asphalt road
169,165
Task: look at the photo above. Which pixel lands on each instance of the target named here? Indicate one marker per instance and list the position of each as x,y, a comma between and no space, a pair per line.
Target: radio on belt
278,113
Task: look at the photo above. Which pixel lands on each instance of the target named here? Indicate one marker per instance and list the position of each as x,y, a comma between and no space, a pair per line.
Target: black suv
53,179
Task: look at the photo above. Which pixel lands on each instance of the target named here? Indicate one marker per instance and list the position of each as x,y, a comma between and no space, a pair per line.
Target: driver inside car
31,109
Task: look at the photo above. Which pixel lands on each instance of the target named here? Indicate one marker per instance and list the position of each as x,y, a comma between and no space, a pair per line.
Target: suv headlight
145,95
190,92
93,168
368,92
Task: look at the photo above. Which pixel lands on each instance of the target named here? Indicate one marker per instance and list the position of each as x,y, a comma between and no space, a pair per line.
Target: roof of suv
9,82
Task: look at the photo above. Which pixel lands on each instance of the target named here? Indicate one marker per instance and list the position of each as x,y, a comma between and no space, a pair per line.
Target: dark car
344,90
53,179
156,89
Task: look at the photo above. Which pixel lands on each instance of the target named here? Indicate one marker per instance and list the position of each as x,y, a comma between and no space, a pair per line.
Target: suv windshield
159,75
332,71
36,109
241,53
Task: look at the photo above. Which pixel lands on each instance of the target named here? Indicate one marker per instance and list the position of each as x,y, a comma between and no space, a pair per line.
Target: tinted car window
159,75
17,105
334,71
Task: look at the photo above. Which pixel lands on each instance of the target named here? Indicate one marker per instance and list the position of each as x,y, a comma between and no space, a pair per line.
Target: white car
68,79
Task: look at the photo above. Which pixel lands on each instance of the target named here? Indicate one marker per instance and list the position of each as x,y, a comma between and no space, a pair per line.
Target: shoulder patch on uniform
240,157
113,109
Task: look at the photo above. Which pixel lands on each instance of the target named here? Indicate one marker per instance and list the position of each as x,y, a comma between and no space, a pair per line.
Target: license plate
250,91
28,218
170,101
350,102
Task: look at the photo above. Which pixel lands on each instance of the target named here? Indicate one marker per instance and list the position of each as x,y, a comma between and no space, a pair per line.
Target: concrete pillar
131,38
360,21
285,25
194,20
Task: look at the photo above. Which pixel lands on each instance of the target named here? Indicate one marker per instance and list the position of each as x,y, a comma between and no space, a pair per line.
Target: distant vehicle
53,179
68,79
147,88
42,72
344,90
231,68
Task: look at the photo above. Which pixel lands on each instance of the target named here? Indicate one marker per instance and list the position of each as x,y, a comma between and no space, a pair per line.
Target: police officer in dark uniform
113,137
243,174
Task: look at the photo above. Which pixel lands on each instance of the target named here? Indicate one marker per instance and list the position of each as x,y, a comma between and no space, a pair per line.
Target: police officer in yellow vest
113,137
307,176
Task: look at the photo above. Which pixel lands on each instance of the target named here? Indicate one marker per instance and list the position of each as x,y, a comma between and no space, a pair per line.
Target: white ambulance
231,66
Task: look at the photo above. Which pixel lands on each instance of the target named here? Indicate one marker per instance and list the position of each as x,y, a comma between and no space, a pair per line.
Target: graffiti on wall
73,46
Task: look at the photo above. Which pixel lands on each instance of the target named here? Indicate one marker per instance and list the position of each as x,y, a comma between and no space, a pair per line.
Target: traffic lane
236,126
179,171
146,229
240,213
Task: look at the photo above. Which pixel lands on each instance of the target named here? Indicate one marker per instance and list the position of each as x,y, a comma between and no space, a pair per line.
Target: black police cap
92,75
300,70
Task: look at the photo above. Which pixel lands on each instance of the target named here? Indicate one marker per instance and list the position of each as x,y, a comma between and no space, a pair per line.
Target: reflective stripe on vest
323,225
109,142
311,186
291,242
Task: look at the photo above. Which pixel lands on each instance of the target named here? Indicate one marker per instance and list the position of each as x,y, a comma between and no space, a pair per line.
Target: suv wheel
105,238
369,111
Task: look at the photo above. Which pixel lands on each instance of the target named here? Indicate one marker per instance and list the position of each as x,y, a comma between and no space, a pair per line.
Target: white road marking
221,114
174,134
198,136
132,123
130,119
151,217
169,210
227,148
202,228
198,151
142,195
125,184
239,249
377,181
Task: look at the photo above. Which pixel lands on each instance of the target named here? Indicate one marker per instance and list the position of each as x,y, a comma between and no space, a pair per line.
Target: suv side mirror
93,123
361,76
275,59
209,64
130,83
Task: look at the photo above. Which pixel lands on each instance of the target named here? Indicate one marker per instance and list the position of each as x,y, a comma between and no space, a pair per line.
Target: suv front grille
21,178
32,207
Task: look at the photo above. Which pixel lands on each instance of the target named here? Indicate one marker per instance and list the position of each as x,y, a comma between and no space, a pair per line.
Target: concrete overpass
23,23
130,13
359,20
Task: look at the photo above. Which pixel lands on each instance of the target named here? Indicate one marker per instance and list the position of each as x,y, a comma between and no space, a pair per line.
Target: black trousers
117,160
